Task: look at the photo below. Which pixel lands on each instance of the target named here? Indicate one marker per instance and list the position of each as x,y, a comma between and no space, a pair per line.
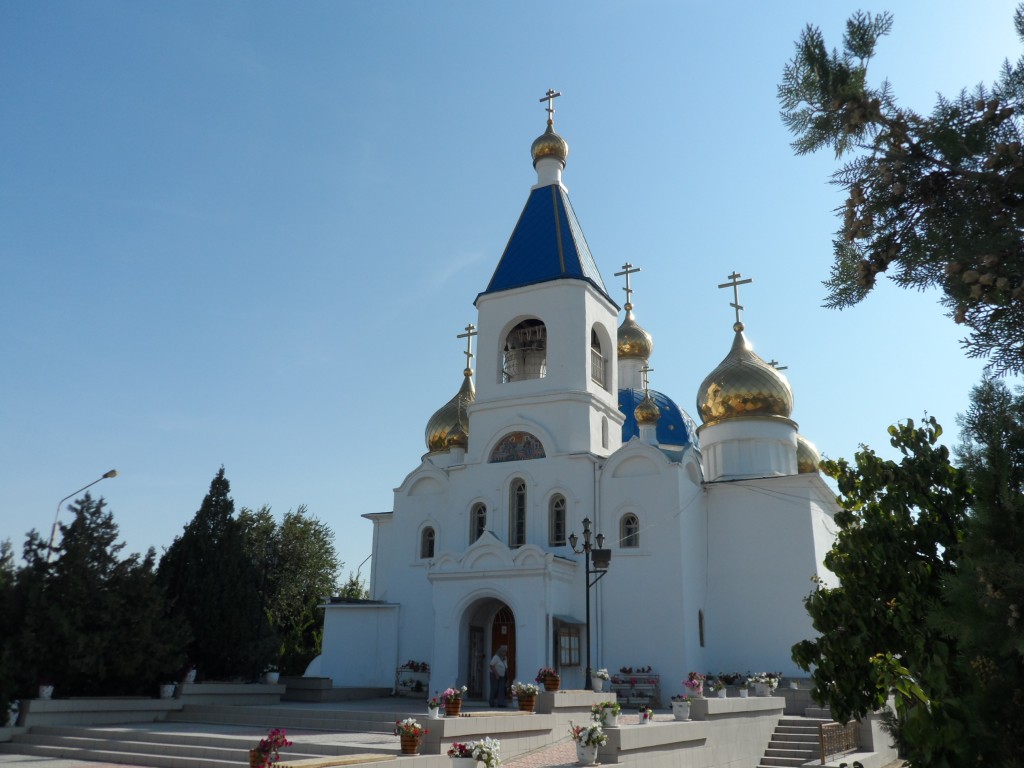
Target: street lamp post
601,558
56,517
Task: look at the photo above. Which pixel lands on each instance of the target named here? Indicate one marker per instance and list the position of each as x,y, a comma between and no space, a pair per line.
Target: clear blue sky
247,233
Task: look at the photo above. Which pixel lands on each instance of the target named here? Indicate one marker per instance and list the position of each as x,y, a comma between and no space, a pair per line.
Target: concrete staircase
213,736
794,742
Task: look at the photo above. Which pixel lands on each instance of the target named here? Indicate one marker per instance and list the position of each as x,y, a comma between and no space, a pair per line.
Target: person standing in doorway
499,670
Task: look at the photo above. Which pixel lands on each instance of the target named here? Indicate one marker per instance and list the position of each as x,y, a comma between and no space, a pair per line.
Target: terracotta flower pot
255,758
410,744
453,707
552,683
527,703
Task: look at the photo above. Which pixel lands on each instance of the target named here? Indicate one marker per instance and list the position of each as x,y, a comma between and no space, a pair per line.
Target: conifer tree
211,581
934,201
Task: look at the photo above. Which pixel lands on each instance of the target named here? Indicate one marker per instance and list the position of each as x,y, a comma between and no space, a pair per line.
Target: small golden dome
633,341
807,456
549,144
743,385
451,415
647,411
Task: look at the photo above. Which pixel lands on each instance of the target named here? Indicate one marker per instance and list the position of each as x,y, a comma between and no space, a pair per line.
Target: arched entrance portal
491,624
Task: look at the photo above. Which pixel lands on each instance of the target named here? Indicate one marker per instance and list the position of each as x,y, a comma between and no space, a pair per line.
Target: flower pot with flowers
606,713
765,683
717,686
694,684
549,678
597,677
741,683
451,700
526,694
645,714
411,734
13,709
588,739
462,755
434,708
271,674
267,752
681,707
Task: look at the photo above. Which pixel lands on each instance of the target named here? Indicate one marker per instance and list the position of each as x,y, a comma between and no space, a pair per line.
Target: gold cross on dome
735,284
645,378
468,336
775,364
627,270
550,97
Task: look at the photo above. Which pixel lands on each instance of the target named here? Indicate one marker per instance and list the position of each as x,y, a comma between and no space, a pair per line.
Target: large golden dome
633,341
807,456
743,385
549,144
451,415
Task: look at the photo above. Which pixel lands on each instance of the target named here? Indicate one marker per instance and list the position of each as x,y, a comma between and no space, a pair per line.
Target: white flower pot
167,690
609,720
681,710
597,684
744,693
271,678
45,691
722,693
12,719
762,689
190,676
463,762
586,755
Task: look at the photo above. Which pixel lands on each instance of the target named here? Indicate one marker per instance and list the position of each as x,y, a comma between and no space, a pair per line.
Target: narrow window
477,522
604,431
556,521
629,531
517,514
568,646
427,543
597,361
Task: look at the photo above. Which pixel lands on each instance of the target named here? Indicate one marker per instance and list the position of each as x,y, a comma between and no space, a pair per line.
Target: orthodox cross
550,97
735,284
627,270
644,376
775,364
468,336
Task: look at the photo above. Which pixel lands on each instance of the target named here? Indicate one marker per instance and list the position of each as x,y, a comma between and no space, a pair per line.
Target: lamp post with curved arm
601,559
56,517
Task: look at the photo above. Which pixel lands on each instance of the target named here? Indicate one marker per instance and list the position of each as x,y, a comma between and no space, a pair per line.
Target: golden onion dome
807,456
549,144
451,415
633,341
647,411
743,385
457,438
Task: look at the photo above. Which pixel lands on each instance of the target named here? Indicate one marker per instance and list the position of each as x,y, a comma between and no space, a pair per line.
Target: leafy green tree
935,201
985,597
212,583
354,588
899,534
300,568
90,621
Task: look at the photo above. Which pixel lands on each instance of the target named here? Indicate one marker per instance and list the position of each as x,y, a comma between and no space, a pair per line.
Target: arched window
427,543
477,521
598,367
629,531
556,521
517,513
525,353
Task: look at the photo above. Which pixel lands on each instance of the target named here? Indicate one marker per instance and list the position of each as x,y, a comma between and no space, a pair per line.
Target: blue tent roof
675,427
547,244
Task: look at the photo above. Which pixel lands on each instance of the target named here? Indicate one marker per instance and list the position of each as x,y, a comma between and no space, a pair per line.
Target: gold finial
468,336
627,270
735,284
775,364
550,97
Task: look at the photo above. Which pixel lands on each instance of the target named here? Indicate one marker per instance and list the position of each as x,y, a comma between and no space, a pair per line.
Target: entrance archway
490,624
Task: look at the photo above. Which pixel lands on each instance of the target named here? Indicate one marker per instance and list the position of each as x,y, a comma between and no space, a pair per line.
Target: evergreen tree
935,201
899,536
90,622
986,595
211,581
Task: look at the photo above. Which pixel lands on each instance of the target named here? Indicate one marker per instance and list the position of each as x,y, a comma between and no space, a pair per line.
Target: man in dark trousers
499,670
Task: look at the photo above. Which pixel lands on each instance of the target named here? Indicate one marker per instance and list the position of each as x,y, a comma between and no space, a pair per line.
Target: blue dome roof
675,427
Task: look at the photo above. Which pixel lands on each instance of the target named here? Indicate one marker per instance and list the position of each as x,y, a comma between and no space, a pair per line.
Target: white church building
714,531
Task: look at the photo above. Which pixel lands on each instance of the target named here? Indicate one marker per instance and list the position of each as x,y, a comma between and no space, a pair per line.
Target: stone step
235,753
307,719
783,752
796,738
822,713
781,762
113,756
